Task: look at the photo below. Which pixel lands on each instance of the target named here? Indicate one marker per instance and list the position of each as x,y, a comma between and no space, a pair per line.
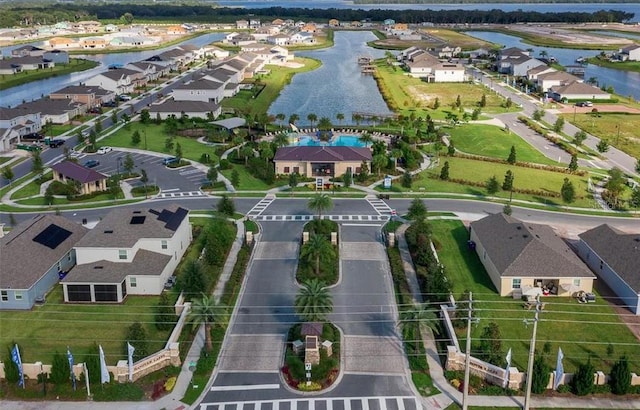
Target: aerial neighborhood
320,208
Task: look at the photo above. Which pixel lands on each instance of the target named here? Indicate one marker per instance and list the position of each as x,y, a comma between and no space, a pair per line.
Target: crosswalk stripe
400,403
347,405
339,218
365,404
329,404
312,404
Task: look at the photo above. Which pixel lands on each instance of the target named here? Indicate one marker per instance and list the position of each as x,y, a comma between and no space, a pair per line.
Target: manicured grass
618,129
275,81
106,196
31,189
52,327
155,141
621,65
545,41
459,39
481,171
4,159
24,77
492,141
583,331
247,181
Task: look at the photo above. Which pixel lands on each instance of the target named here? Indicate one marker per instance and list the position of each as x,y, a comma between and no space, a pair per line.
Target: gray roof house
519,256
615,258
25,278
129,252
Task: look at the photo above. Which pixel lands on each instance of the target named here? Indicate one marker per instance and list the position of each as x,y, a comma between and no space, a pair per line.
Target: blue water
336,141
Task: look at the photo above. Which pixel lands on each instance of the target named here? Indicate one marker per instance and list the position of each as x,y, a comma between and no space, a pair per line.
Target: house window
296,170
133,282
164,244
515,283
576,282
122,254
286,170
358,169
4,296
17,295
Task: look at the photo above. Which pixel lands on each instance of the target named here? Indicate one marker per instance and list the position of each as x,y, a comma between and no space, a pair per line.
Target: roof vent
518,227
98,267
108,231
636,239
525,236
137,212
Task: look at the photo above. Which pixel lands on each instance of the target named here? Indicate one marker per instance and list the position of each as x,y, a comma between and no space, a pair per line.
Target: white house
555,78
302,38
119,81
15,123
199,90
128,252
191,109
630,53
578,91
448,73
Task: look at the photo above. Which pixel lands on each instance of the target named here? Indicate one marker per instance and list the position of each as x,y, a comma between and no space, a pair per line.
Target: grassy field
546,41
24,77
248,182
39,330
492,141
622,65
582,331
481,171
618,129
155,139
457,38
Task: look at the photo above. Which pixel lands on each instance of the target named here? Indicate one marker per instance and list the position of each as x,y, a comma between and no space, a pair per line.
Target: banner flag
559,373
130,350
506,382
73,376
104,372
15,357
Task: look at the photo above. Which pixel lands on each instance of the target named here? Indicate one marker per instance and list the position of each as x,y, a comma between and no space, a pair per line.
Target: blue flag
15,357
559,373
73,376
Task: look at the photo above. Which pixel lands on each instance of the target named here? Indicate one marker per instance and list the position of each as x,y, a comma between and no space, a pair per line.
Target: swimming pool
336,141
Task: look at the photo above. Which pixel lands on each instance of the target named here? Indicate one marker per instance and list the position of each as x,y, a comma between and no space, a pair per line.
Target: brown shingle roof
619,250
77,172
519,249
322,153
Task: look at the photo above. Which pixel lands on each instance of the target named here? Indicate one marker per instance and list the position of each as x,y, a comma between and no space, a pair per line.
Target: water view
337,86
624,82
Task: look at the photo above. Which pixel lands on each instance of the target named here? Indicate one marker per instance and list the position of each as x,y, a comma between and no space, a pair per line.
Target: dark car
170,160
92,163
56,143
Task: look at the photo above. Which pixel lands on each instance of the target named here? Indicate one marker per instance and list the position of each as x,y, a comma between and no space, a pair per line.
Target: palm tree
293,118
281,140
320,203
314,301
417,319
340,118
206,311
366,139
266,151
245,152
357,118
379,162
312,118
280,117
316,249
396,154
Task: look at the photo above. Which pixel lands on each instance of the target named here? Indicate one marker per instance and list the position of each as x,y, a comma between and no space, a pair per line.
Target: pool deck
343,132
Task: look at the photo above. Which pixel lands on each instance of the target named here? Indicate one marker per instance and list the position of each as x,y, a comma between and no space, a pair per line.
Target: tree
135,138
347,178
7,173
579,138
364,172
567,192
212,174
582,382
379,162
48,196
205,311
444,172
559,124
192,279
602,146
235,178
281,140
317,249
538,114
168,144
144,178
458,101
451,149
36,162
293,180
92,361
313,302
507,184
483,101
126,18
340,118
137,337
540,375
491,345
417,210
506,209
293,118
638,166
620,376
114,116
312,118
226,205
320,203
98,126
178,151
436,103
93,136
280,117
573,164
635,197
60,371
407,179
165,317
128,164
512,158
616,182
366,139
492,185
419,318
145,117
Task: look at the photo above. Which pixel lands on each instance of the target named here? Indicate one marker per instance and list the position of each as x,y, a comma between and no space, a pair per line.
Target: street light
145,139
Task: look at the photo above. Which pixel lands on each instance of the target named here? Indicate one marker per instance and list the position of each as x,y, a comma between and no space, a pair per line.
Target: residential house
87,179
242,39
215,52
111,28
131,41
578,91
447,73
277,22
389,22
16,123
278,39
519,256
119,81
448,52
334,22
204,90
532,74
93,43
27,51
29,63
629,53
80,93
254,23
302,38
9,67
8,138
546,81
176,30
400,27
518,65
422,64
191,109
242,24
59,111
309,28
150,70
129,252
62,42
89,26
614,256
34,255
320,161
56,56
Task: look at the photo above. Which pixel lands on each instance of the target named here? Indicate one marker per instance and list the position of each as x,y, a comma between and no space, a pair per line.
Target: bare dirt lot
567,36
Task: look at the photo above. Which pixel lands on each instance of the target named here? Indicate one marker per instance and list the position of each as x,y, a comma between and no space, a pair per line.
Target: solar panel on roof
52,236
177,218
165,215
137,220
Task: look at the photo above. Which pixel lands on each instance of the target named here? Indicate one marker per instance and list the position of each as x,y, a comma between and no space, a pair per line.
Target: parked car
104,150
124,97
55,143
92,163
584,104
33,136
170,160
110,104
95,110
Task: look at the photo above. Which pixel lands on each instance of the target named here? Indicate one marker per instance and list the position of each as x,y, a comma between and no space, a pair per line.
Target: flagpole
86,378
467,358
532,350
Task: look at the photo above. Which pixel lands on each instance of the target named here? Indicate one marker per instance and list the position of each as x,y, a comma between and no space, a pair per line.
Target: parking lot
179,182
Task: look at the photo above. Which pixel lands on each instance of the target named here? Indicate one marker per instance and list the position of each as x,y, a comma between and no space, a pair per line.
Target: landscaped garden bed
319,258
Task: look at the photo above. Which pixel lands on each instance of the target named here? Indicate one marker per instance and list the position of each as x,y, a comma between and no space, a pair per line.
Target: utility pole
532,350
467,357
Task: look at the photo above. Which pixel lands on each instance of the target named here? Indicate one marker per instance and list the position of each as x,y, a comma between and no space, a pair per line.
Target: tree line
24,16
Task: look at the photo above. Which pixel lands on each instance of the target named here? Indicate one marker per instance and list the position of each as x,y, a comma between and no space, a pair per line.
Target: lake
337,86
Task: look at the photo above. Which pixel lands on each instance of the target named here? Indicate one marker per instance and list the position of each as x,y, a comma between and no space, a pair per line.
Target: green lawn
52,327
31,189
24,77
618,129
581,330
492,141
247,181
155,141
480,171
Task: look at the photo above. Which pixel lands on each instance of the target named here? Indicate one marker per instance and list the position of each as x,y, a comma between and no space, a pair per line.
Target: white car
104,150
